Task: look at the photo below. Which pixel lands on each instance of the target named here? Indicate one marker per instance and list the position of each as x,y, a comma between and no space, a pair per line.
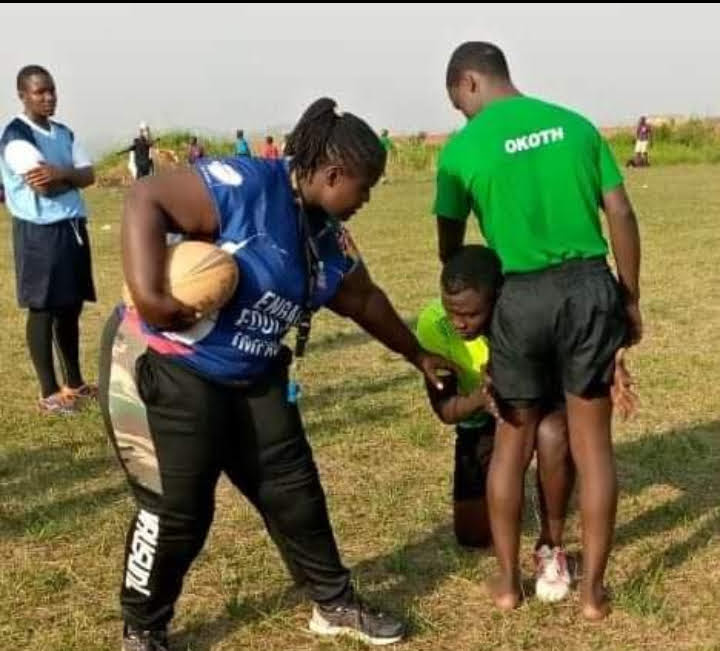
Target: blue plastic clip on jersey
294,391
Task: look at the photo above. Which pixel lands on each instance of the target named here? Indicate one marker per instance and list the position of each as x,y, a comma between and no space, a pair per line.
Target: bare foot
595,604
505,594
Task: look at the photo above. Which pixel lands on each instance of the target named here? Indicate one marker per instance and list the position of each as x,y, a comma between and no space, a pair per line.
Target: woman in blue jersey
182,407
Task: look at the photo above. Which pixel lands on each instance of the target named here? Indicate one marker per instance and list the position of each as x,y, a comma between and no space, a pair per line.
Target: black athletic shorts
473,450
52,264
560,325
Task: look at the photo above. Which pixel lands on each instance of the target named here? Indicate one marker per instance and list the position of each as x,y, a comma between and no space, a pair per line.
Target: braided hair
324,136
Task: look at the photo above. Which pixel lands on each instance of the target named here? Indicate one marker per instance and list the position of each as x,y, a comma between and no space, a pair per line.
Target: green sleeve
610,176
428,334
452,198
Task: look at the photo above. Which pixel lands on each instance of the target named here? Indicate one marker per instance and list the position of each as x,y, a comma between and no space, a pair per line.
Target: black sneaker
137,640
355,619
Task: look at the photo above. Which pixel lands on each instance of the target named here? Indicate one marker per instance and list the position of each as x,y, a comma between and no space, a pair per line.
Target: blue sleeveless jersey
57,147
260,225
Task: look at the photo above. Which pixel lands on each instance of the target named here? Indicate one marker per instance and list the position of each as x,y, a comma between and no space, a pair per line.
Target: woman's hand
430,365
165,312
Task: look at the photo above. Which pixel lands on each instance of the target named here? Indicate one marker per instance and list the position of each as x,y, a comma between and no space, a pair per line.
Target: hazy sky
216,67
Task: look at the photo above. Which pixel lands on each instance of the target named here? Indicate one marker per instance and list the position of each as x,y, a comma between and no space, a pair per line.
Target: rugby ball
198,274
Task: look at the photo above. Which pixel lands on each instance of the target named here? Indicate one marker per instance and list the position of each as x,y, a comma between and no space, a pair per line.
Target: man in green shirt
535,176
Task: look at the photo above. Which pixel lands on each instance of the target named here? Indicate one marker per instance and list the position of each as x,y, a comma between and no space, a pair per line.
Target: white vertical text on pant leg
142,552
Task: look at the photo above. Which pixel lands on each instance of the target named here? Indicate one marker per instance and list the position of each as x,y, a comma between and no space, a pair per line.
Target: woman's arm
178,202
361,300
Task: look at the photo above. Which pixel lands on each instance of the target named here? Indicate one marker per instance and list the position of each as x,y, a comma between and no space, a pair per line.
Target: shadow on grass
37,477
358,391
342,340
58,516
25,473
412,570
686,459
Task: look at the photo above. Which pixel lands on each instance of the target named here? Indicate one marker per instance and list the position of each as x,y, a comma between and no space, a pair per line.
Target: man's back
533,174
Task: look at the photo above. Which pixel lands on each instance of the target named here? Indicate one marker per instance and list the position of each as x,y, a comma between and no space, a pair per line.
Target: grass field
386,467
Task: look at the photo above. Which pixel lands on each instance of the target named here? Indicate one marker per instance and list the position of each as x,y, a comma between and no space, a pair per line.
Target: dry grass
385,463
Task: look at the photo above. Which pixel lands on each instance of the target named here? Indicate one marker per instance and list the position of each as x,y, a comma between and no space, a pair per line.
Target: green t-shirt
534,174
436,334
387,143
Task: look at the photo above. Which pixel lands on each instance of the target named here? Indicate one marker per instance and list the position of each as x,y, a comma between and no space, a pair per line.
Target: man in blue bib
43,169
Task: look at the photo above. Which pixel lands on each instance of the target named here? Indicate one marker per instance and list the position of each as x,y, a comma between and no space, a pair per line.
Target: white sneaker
552,576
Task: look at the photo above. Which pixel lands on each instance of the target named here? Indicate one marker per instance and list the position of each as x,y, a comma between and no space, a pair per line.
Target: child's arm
451,407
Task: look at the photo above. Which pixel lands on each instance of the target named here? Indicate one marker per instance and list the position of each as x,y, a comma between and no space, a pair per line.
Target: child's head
337,158
240,134
193,140
470,282
269,140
